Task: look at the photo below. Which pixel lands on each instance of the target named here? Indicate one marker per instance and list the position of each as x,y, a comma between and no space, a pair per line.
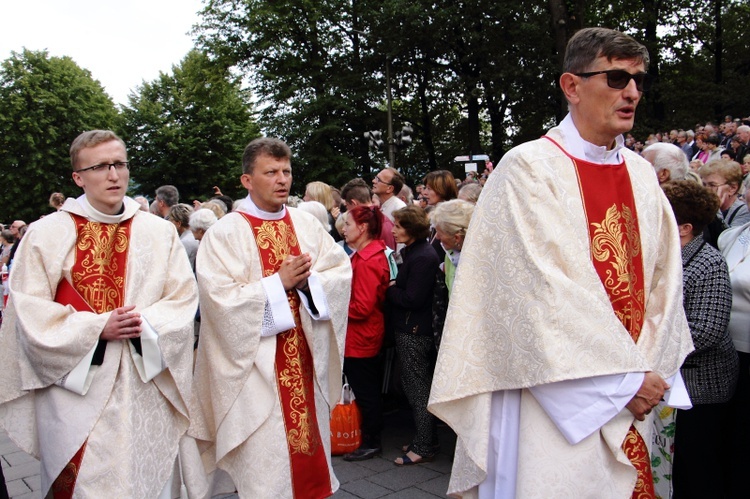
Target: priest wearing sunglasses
575,329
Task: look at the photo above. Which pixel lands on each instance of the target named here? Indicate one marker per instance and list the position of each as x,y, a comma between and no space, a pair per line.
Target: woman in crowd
318,211
439,186
6,243
409,303
321,192
470,192
200,221
56,200
702,154
179,215
366,327
710,371
724,178
734,244
712,148
450,220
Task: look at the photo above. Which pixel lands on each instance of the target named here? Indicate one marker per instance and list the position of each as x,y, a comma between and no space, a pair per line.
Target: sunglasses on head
619,79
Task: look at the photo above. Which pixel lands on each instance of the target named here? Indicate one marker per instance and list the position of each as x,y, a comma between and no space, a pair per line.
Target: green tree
189,129
301,61
45,102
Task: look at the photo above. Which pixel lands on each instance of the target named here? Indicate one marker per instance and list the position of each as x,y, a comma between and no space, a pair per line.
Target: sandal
406,448
407,461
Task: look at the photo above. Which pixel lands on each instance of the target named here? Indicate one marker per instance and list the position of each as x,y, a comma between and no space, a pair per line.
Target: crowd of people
542,309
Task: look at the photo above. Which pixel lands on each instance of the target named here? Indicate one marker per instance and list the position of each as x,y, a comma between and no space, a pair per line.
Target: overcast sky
122,43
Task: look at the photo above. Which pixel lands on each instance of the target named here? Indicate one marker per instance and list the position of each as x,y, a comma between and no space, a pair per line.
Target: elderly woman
711,370
366,327
409,302
450,220
179,215
200,221
734,244
724,178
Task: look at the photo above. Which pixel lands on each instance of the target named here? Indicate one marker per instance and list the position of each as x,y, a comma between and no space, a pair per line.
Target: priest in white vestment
274,292
567,327
96,346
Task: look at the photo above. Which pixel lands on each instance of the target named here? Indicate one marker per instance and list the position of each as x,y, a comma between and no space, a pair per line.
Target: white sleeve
277,315
321,312
151,362
677,396
580,407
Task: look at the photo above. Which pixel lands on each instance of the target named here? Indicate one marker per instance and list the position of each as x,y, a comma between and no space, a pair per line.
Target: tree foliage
45,102
189,129
468,76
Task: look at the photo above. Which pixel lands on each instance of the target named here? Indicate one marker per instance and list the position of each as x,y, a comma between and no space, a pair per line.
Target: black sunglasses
619,79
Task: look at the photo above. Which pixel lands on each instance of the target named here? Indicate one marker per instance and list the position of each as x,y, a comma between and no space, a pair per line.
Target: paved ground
375,478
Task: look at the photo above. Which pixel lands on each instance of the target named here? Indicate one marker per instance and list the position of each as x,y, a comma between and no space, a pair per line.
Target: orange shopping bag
346,435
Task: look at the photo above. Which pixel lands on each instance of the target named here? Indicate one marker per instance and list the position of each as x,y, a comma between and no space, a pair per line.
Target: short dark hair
691,203
414,221
356,190
589,44
397,180
264,146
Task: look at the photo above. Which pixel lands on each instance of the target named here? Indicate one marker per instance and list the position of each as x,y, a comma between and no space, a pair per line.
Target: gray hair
168,194
202,219
667,156
181,213
589,44
453,217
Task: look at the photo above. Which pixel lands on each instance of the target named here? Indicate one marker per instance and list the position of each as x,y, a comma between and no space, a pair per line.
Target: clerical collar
97,215
247,206
579,148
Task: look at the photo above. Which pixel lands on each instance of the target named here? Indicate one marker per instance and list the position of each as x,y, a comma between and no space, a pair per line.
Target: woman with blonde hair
321,192
450,220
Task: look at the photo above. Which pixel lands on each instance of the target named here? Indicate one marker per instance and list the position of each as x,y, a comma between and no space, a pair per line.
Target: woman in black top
409,302
710,372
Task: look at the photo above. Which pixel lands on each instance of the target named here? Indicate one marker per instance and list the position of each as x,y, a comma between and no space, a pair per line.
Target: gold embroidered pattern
301,438
279,238
99,270
616,241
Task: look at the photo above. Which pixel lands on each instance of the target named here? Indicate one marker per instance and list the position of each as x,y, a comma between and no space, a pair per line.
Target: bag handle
347,394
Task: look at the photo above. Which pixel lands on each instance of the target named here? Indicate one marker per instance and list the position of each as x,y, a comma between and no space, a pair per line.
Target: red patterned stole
609,205
99,277
276,241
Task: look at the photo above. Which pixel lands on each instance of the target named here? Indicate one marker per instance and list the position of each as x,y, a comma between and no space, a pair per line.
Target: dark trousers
416,354
736,437
3,489
698,461
365,376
